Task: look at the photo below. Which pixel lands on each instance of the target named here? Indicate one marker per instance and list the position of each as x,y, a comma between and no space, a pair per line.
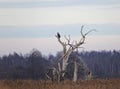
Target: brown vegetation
81,84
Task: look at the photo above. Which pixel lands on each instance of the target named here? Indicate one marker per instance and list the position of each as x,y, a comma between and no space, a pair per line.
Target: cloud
12,1
53,3
59,15
80,1
18,1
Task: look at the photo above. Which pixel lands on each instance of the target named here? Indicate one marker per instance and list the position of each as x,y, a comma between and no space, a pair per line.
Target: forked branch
71,44
82,40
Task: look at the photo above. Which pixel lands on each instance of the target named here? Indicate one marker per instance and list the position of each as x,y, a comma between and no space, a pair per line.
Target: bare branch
68,39
59,67
65,54
82,39
48,76
82,31
90,31
83,36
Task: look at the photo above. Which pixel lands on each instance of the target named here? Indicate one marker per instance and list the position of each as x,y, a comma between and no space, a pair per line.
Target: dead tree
75,71
82,65
52,74
68,47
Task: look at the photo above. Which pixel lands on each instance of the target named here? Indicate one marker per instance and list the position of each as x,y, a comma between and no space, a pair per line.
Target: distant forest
103,64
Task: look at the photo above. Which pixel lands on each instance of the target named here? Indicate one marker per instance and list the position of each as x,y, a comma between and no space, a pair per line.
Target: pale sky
28,24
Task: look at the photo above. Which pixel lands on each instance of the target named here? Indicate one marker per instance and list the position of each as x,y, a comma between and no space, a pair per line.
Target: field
81,84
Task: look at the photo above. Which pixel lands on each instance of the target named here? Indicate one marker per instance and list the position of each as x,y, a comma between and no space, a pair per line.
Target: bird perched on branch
58,35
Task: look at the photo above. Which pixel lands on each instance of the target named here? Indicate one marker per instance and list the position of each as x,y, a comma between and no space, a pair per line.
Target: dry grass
39,84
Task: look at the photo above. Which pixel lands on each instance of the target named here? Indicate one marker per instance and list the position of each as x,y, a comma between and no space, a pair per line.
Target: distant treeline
103,64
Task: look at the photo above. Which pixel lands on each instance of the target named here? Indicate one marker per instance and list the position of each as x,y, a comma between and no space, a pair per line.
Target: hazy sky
27,24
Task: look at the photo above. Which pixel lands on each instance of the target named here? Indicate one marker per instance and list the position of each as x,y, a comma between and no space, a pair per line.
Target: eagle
58,35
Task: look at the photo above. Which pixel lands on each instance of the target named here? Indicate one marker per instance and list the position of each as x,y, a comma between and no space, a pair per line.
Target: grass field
39,84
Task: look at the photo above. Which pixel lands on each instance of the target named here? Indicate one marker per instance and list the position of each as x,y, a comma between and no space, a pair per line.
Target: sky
28,24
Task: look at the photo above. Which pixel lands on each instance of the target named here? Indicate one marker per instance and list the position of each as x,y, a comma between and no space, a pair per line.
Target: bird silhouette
58,35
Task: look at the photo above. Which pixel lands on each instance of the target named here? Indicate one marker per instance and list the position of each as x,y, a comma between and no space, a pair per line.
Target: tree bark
75,71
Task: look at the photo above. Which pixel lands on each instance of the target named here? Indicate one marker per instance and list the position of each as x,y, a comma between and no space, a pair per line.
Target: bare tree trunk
65,63
75,71
59,71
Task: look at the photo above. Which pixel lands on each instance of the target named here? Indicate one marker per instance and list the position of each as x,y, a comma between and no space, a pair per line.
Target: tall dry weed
42,84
